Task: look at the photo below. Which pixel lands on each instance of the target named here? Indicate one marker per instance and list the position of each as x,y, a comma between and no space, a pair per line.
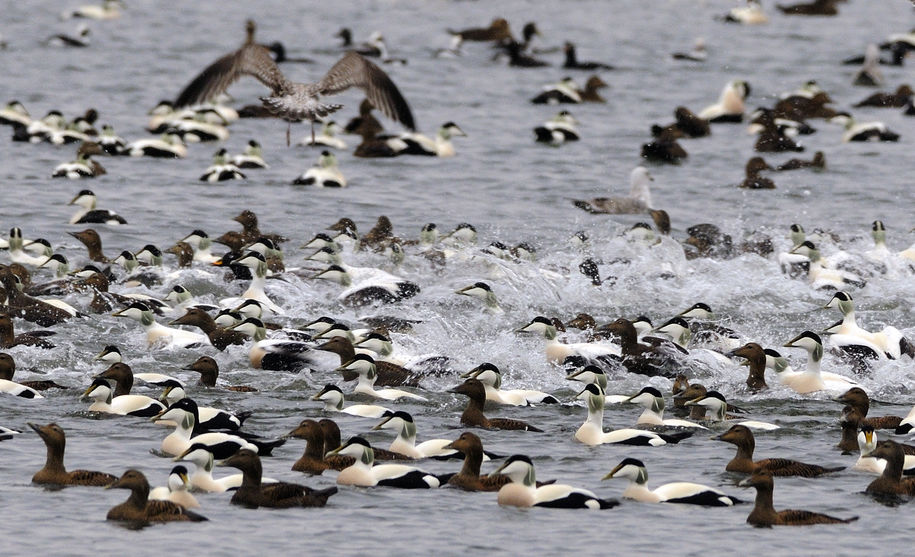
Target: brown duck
742,437
252,494
645,359
469,478
332,441
756,362
389,375
28,307
891,481
220,337
54,471
858,399
8,369
473,414
209,371
753,180
764,513
250,231
139,509
9,338
93,242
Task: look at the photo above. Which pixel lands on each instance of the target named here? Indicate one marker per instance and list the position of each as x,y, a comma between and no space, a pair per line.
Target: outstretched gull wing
250,59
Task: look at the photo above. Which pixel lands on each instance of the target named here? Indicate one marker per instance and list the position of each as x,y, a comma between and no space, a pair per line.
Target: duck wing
795,517
353,70
788,467
252,60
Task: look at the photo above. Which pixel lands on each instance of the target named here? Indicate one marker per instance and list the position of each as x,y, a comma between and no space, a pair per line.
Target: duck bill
380,425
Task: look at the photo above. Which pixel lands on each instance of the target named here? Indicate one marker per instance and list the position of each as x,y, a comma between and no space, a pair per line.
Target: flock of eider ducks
593,353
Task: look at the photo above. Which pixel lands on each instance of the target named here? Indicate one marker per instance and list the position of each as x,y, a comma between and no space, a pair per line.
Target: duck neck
596,411
473,459
251,476
745,449
139,496
651,417
314,447
764,511
54,462
894,465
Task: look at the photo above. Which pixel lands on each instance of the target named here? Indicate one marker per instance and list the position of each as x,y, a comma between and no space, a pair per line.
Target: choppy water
512,190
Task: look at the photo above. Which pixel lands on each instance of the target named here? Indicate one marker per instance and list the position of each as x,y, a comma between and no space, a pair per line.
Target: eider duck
312,460
685,493
715,401
8,369
592,432
108,9
473,414
252,493
364,366
210,418
889,341
9,338
364,473
176,489
441,146
651,359
664,148
816,7
327,137
818,162
298,101
891,481
88,214
699,53
764,513
405,442
135,405
158,335
83,166
687,124
730,106
857,398
93,242
221,169
368,286
557,130
209,371
653,415
523,490
820,275
491,377
482,291
812,379
566,91
53,471
140,510
469,478
332,397
638,200
864,131
220,337
14,113
202,479
571,60
753,180
388,374
899,99
325,174
751,14
742,437
557,352
78,40
110,142
498,29
867,443
167,146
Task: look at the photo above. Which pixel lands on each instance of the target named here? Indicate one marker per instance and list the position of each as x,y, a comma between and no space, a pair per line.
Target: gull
293,101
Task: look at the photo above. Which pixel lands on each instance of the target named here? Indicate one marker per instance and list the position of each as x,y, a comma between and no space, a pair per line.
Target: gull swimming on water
293,101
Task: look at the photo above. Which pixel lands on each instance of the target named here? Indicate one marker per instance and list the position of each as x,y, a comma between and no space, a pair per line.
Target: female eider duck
88,214
638,200
364,473
252,157
9,338
818,162
297,101
764,513
325,174
175,489
54,472
523,490
571,60
333,400
891,481
83,166
107,9
752,178
715,401
221,169
685,493
857,398
140,510
592,432
469,478
252,493
473,414
742,437
491,377
730,106
8,370
220,337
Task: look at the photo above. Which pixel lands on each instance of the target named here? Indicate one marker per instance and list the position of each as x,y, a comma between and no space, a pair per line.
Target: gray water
512,190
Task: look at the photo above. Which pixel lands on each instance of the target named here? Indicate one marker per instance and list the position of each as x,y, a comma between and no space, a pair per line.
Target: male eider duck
88,214
139,509
252,493
364,473
764,513
54,472
252,157
369,286
482,291
364,366
812,379
108,9
863,131
751,14
327,137
79,40
176,489
8,369
566,91
491,377
220,337
638,200
333,400
822,276
730,106
571,60
202,479
325,174
159,335
699,53
685,493
653,402
441,146
123,376
473,414
168,146
523,490
405,442
221,169
849,336
83,166
742,437
298,101
592,432
557,352
715,401
867,443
